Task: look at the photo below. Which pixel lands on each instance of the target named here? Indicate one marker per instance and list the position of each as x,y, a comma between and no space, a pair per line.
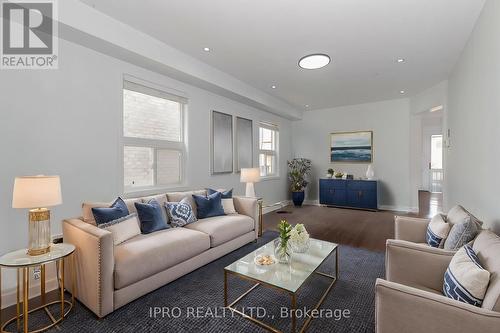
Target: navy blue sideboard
361,194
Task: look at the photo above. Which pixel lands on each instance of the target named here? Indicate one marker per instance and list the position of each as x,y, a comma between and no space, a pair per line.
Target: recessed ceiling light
206,49
401,60
307,105
314,61
273,86
402,92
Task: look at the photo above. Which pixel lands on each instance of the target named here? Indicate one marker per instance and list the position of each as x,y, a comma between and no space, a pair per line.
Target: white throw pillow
465,279
228,206
123,228
437,231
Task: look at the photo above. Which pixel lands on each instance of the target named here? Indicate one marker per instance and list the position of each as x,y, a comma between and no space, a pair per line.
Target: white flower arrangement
299,235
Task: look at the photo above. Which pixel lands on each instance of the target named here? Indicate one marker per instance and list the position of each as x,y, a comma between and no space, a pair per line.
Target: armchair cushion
487,247
465,279
437,231
461,234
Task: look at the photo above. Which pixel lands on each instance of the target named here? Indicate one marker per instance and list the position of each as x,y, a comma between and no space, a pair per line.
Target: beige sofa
411,300
109,276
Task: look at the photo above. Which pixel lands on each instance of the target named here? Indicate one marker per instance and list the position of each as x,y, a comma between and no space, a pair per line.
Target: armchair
411,300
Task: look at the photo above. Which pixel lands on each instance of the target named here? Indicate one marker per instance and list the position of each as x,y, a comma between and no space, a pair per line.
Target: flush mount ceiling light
314,61
436,108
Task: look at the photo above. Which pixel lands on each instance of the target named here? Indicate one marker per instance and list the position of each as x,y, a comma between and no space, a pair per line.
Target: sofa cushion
487,248
209,206
223,228
146,255
178,196
437,231
226,194
88,217
465,279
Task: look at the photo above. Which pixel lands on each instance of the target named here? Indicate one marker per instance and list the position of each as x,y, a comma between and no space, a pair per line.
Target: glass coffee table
288,278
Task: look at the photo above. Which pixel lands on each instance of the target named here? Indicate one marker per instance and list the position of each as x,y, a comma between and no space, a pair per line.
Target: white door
436,164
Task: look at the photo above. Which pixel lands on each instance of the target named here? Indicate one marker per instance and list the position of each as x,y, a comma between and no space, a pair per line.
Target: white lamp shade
36,192
250,175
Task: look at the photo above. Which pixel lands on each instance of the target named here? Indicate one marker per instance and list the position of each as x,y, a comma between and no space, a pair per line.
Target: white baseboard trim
276,206
381,207
9,295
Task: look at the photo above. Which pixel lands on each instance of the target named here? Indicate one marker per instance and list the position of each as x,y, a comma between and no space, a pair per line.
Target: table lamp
37,193
250,176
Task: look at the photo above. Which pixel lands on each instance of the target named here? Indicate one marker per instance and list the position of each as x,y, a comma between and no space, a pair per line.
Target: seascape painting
353,147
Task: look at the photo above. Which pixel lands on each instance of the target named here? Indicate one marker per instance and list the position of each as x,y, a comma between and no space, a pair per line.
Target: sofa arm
400,308
416,264
249,207
94,264
410,229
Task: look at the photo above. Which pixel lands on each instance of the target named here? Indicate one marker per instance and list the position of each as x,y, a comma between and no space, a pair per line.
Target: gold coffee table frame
23,272
293,295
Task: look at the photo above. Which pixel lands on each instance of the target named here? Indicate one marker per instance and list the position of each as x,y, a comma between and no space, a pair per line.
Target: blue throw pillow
117,210
180,213
225,194
151,216
209,206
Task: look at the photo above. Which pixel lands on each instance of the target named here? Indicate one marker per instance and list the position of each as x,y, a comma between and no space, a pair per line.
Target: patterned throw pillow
117,210
465,279
180,213
461,234
123,228
437,231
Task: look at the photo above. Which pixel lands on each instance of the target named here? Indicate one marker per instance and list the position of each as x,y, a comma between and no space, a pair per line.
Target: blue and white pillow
466,280
437,231
180,213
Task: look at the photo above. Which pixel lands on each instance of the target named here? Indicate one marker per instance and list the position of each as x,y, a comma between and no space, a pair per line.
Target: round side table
24,263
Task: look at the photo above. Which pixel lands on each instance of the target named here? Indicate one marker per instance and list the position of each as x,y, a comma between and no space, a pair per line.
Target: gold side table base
22,304
293,297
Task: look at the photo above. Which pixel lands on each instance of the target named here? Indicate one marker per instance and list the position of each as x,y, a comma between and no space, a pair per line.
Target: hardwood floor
351,227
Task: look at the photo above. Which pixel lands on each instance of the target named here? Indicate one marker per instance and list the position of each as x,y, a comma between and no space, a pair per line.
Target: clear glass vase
282,251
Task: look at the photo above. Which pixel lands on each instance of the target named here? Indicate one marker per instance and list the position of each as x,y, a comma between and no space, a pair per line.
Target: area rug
194,303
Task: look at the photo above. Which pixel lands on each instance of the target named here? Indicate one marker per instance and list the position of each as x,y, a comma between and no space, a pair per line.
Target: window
436,152
268,150
153,137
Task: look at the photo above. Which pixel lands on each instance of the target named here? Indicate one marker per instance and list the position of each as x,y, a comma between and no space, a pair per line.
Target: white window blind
153,137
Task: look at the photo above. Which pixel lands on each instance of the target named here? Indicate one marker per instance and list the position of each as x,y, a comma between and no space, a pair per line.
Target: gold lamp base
39,231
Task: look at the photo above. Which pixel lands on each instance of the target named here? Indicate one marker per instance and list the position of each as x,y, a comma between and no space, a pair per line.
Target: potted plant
330,173
298,170
282,246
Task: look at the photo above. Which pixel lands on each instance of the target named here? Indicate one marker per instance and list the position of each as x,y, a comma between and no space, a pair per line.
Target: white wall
389,121
473,161
67,122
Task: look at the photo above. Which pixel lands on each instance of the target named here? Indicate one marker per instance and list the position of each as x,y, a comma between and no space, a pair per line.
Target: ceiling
261,41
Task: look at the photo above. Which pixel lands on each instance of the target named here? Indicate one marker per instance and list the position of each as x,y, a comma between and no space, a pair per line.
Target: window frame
155,144
274,152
